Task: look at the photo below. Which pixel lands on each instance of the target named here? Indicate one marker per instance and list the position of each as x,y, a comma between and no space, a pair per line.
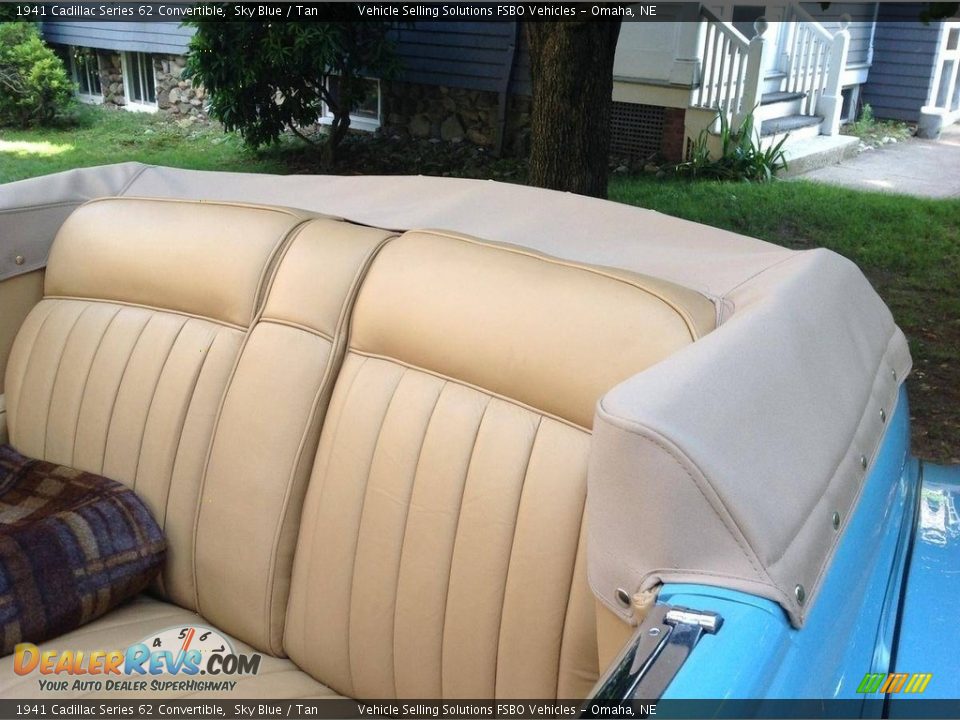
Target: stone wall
176,94
454,115
111,78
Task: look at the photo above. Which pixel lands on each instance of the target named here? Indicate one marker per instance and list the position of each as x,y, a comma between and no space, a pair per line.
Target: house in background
915,67
797,67
133,65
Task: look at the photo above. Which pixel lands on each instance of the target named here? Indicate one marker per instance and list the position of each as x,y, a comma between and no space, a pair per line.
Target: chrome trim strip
653,656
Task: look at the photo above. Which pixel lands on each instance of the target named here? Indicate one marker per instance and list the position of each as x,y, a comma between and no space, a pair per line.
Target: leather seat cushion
142,618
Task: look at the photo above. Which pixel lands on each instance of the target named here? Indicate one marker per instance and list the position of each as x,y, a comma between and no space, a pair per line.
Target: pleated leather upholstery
266,438
121,372
441,551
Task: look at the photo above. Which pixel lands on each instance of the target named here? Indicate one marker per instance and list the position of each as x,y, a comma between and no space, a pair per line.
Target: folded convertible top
723,464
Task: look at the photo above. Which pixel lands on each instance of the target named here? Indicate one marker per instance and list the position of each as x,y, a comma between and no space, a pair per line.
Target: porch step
789,124
780,96
817,152
778,104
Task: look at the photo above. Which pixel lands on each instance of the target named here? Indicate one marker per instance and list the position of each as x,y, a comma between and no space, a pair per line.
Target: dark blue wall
473,55
149,37
904,50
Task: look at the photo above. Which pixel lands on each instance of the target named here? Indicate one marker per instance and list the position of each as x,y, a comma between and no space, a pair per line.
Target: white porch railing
945,91
815,64
732,67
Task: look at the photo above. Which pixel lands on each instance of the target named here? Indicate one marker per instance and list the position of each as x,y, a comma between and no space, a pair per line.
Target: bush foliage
34,86
265,78
742,155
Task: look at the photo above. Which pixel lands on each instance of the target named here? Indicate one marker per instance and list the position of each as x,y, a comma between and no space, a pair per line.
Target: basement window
86,74
139,84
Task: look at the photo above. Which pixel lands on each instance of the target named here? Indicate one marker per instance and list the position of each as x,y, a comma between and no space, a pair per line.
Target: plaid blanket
72,546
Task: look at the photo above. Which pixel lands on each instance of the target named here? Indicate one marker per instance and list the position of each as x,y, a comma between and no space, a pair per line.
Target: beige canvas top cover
721,465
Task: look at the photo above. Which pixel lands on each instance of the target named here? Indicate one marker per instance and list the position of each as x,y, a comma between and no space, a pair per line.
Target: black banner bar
345,11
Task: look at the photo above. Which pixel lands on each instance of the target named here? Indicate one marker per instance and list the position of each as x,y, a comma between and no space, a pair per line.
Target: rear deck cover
721,465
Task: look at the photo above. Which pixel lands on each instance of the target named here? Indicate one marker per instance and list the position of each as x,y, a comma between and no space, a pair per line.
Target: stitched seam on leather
315,416
678,309
184,201
297,326
573,578
311,568
485,391
513,542
284,508
154,308
356,545
278,252
56,375
153,396
268,273
403,535
648,435
116,395
29,361
186,414
456,535
86,380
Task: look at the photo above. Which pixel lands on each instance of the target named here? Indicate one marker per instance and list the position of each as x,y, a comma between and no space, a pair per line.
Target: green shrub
34,86
741,155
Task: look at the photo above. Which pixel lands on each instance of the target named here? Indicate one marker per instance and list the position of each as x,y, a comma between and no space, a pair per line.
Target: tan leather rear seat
263,406
440,552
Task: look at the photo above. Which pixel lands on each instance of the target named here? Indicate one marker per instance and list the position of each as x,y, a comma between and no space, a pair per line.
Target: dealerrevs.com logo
190,659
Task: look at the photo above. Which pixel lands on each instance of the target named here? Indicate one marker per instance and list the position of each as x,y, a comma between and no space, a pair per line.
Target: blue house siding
153,37
903,63
469,55
861,28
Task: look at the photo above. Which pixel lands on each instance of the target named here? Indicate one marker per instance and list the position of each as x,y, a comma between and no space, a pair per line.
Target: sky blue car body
889,603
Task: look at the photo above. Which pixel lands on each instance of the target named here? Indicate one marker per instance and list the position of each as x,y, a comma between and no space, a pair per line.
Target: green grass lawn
105,136
908,247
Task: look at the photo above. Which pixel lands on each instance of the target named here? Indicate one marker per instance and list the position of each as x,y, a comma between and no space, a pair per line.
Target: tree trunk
571,66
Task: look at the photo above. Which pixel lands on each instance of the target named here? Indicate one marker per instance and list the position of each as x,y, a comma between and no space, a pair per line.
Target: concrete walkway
926,168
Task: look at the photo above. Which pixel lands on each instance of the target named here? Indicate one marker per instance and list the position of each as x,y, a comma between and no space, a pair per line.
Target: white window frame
359,122
131,104
83,97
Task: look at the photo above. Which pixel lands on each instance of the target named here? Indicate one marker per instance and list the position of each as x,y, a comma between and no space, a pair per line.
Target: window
138,81
365,115
86,74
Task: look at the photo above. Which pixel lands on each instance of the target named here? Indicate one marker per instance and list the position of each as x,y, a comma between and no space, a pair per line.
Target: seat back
441,551
121,368
266,437
155,359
